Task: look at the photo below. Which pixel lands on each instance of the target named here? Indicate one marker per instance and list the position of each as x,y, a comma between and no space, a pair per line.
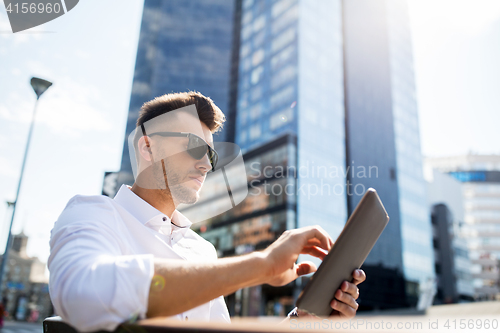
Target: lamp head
39,86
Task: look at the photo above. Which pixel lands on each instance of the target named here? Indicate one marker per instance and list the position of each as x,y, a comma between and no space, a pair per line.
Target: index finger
318,233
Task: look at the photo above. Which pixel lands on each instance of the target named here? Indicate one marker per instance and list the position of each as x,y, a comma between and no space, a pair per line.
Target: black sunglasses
197,147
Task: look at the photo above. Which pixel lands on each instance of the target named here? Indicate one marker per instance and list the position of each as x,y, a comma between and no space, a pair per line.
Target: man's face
175,172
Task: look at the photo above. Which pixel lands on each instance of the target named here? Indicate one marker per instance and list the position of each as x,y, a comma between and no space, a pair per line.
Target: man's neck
156,198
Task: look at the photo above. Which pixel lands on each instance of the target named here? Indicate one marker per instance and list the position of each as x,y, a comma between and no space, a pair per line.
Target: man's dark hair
208,112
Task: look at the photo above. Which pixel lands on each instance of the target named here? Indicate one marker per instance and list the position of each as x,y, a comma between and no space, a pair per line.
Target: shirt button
186,318
164,218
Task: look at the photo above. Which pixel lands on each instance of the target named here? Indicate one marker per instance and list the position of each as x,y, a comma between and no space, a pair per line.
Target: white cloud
7,169
4,113
38,68
82,54
73,109
23,37
15,71
68,107
17,109
4,23
461,16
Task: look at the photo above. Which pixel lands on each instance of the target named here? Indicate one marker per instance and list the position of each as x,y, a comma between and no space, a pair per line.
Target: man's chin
186,196
191,201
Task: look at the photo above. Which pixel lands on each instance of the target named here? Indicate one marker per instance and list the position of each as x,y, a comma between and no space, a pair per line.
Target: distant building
480,178
110,184
386,288
25,284
452,262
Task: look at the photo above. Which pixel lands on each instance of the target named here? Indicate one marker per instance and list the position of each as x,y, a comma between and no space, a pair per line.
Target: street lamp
39,86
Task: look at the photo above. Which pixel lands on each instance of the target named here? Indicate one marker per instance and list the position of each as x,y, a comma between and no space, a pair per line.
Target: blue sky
456,51
89,54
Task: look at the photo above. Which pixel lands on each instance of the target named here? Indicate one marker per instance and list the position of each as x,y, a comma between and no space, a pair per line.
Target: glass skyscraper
382,131
324,89
291,81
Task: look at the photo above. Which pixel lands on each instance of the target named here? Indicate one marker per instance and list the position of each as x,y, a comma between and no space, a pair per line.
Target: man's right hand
281,256
190,284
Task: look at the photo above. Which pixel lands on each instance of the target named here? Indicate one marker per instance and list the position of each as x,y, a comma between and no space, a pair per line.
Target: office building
480,178
382,131
183,46
291,81
452,262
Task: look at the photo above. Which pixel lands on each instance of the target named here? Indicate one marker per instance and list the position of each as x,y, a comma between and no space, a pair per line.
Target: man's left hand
344,304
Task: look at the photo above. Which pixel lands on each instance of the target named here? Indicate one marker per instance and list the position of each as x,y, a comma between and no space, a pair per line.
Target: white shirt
101,260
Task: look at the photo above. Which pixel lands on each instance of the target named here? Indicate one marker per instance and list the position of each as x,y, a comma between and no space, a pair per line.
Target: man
134,256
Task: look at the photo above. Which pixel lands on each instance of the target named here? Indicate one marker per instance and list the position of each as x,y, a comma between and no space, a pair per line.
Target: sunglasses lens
198,152
198,148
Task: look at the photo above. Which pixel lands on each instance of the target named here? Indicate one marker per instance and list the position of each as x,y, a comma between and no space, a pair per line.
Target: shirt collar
180,220
135,205
147,214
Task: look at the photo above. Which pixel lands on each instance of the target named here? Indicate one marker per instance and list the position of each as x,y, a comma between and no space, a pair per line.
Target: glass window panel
283,39
285,75
257,74
259,23
255,131
282,57
258,57
290,16
282,96
280,6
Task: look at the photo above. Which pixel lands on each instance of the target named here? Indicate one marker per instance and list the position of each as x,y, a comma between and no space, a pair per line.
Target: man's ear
144,147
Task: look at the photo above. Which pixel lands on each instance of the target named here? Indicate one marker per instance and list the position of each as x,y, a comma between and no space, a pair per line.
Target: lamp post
39,86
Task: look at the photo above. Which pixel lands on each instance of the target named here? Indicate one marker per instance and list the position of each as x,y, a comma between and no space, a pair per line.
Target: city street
21,327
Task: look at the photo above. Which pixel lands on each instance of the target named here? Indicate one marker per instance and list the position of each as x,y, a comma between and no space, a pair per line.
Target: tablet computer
348,253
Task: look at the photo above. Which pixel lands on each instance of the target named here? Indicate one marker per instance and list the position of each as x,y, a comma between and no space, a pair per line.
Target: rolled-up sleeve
92,285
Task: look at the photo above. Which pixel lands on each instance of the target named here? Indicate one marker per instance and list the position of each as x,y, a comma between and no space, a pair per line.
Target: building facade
25,287
452,262
480,178
382,132
183,46
291,81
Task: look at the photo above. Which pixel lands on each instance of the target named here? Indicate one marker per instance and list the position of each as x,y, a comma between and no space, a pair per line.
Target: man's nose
204,164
